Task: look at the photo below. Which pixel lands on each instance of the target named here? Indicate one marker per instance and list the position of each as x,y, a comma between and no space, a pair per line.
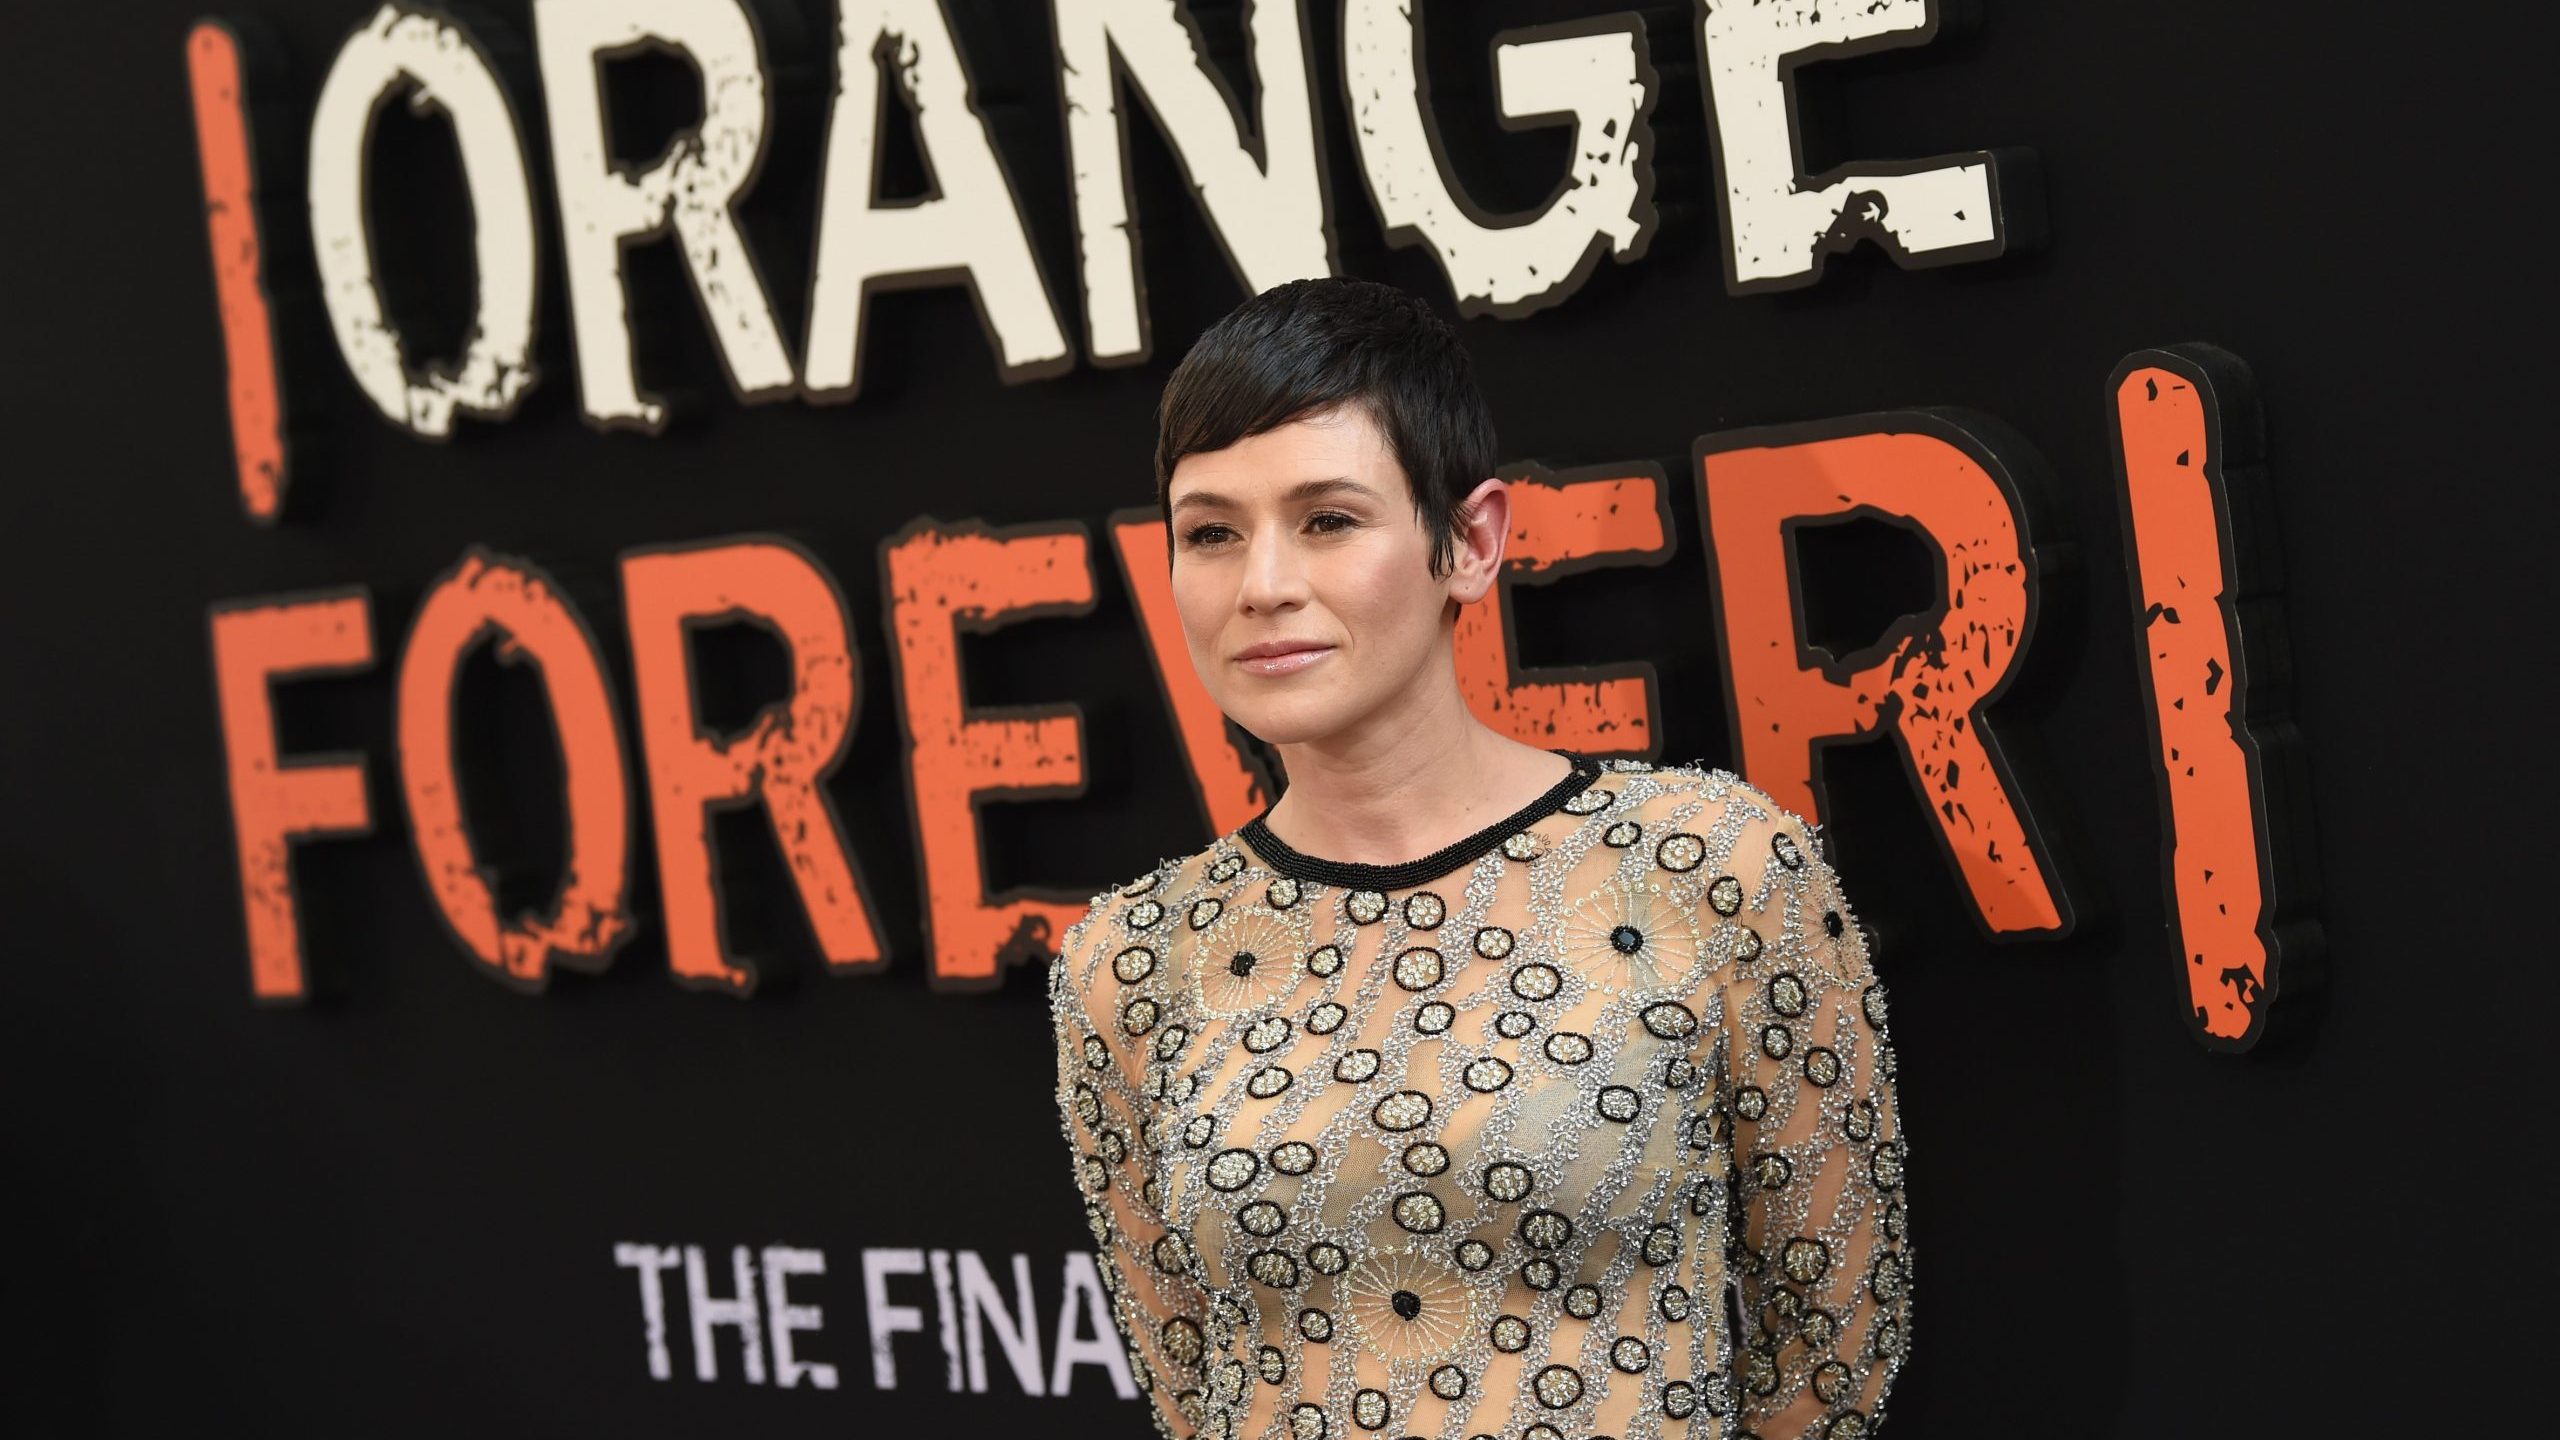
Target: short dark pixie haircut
1306,346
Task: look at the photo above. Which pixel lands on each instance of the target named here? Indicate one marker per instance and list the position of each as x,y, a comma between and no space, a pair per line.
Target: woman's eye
1323,522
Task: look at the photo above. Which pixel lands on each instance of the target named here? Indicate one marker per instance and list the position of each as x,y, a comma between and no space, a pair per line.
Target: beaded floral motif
1593,1131
1629,938
1413,1309
1245,958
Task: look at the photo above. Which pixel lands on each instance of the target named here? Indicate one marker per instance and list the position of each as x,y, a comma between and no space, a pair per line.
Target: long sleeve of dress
1160,1309
1819,1256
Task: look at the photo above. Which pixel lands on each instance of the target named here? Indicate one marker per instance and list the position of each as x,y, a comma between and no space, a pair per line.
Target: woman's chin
1287,724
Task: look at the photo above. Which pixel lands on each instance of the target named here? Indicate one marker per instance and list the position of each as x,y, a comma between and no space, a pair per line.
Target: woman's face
1303,577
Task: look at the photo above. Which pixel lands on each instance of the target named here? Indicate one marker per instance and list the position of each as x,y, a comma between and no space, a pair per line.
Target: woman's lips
1286,663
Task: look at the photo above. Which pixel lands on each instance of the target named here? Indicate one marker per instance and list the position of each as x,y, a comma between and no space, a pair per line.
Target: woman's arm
1821,1260
1146,1269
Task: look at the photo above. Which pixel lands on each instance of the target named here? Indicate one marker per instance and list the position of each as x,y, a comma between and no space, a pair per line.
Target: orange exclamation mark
239,279
2199,542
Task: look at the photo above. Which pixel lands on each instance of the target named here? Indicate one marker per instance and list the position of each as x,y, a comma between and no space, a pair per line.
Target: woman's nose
1272,578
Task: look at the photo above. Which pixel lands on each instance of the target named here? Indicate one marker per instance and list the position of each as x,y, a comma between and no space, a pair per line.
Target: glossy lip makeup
1281,657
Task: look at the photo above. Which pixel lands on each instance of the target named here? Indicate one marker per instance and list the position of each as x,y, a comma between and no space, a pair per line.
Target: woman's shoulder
1696,788
1759,860
1136,903
1122,936
1735,829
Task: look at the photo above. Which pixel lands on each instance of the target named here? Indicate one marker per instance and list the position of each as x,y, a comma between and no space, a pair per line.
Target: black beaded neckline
1355,875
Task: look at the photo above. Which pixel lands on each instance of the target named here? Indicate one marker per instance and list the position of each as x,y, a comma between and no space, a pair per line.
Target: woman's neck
1406,784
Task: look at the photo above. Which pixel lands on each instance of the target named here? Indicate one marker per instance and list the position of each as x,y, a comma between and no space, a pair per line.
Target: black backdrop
393,1211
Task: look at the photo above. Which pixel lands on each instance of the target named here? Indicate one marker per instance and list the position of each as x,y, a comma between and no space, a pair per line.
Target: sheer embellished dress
1583,1125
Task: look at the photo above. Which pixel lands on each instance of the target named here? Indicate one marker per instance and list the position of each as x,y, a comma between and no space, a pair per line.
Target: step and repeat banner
587,603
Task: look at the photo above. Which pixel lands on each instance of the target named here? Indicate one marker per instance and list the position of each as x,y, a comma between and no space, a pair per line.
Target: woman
1472,1088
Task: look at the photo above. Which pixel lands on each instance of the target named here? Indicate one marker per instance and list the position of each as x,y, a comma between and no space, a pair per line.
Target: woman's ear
1480,541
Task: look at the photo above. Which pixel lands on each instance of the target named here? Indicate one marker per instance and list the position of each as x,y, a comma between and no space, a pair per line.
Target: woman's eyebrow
1299,493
